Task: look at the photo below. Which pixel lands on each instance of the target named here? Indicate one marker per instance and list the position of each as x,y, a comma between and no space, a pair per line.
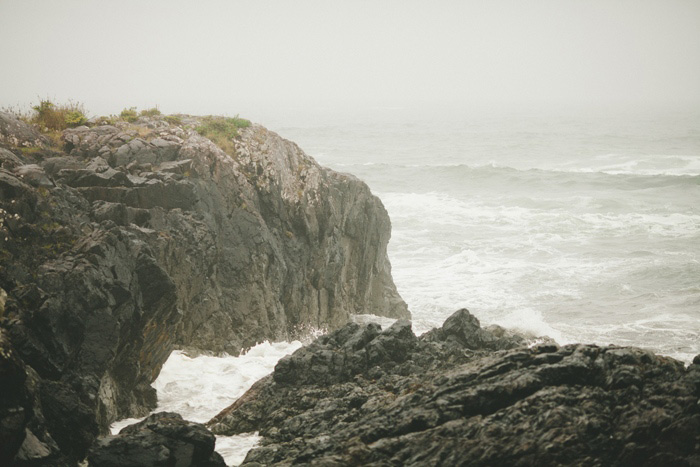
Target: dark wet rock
34,175
352,350
544,405
137,239
161,439
71,422
463,328
13,400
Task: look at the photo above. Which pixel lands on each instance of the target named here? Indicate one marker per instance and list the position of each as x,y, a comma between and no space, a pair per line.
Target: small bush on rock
173,119
222,130
51,117
152,112
129,115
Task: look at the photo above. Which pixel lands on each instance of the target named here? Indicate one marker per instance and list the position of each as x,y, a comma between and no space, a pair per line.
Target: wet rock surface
459,395
131,240
163,438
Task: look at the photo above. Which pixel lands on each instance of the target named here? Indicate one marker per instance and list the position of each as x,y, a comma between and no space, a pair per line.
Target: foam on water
581,227
554,265
198,388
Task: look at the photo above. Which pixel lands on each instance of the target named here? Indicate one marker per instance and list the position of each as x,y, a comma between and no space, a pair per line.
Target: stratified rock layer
135,239
461,396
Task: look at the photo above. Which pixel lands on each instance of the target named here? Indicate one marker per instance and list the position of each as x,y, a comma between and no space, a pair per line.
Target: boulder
34,175
163,439
15,132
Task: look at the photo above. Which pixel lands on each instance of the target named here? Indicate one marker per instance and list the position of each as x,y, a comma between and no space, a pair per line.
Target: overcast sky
214,56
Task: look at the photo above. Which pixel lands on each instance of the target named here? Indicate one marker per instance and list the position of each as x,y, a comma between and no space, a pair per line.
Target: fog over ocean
539,161
580,225
584,227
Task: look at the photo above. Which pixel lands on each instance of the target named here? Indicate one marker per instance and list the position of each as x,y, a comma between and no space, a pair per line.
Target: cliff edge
128,240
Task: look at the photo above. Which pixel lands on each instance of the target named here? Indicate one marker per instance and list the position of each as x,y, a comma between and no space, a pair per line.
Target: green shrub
222,130
51,117
107,120
173,119
75,118
152,112
129,115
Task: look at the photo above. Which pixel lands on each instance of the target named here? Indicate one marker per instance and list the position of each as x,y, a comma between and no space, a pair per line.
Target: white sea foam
673,165
199,388
553,229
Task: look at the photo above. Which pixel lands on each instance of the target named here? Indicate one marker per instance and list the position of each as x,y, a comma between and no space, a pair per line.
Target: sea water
200,387
583,226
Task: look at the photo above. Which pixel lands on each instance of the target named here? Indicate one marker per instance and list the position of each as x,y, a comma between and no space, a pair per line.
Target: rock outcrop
460,395
163,438
134,239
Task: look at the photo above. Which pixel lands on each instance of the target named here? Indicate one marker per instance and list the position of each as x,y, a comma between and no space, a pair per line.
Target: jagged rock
53,165
464,329
8,160
34,175
13,400
71,422
87,177
180,167
545,405
161,439
15,132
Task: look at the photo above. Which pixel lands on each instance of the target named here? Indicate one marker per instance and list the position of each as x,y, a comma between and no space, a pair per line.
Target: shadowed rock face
133,240
459,395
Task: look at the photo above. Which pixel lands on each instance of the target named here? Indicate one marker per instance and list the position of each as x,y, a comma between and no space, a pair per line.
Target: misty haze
452,233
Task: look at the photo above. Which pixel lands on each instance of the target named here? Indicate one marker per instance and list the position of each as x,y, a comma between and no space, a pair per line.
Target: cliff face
259,244
134,239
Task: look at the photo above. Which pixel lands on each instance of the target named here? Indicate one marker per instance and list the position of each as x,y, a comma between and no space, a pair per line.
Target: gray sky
217,56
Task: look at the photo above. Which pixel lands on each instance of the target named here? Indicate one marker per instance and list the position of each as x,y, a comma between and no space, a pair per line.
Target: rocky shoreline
463,395
125,241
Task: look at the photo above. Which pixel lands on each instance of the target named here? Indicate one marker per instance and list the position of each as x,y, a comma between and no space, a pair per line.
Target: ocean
583,226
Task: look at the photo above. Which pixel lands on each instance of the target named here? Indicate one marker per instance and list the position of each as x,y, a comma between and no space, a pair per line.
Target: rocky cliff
128,240
462,395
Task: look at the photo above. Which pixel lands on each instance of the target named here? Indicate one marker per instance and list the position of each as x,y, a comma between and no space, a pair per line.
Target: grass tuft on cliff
129,115
222,130
57,117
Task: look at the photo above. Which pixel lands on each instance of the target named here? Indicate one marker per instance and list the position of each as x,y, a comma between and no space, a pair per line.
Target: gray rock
112,268
98,164
14,132
53,165
32,449
8,160
34,175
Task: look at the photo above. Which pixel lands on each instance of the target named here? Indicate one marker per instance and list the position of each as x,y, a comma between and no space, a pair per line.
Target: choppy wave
498,177
558,267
